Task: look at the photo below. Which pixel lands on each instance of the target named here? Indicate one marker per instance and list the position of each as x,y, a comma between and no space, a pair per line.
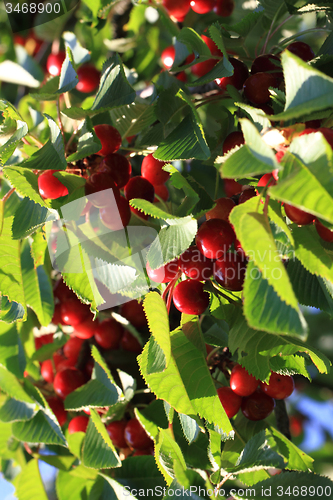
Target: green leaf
28,217
52,155
190,428
13,410
47,92
46,351
152,418
12,387
151,209
169,455
7,149
158,323
42,428
193,42
220,70
80,54
61,462
11,351
88,142
30,483
25,182
71,487
10,311
11,281
98,450
296,458
259,118
246,25
68,77
38,247
133,118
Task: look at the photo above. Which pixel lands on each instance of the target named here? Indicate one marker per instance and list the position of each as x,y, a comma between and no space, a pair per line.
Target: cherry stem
70,140
221,483
170,288
37,141
212,353
270,30
59,120
7,195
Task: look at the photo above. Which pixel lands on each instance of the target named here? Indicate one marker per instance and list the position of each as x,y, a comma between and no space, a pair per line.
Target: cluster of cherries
256,399
178,9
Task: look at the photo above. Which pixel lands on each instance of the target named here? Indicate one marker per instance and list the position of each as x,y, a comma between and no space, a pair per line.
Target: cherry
214,238
313,124
279,155
116,431
117,167
151,169
50,187
57,406
54,63
113,221
135,435
230,401
65,363
56,318
86,328
72,348
237,79
129,343
232,140
224,8
161,191
229,271
181,76
324,232
214,50
148,451
231,187
279,386
266,180
257,406
298,216
78,424
296,425
168,56
43,340
241,382
73,312
190,298
139,187
97,188
202,68
267,63
58,358
134,313
222,209
195,265
109,137
62,292
327,133
257,85
202,6
88,78
108,334
177,8
163,274
47,371
302,50
247,194
67,380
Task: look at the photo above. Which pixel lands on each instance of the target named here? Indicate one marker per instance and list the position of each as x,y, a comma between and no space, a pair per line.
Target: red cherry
78,424
62,292
279,155
224,8
232,140
108,334
302,50
241,382
214,50
47,371
231,187
86,328
298,216
72,348
50,187
56,318
97,188
229,271
151,169
65,363
57,406
163,274
161,191
247,194
279,386
67,380
129,343
222,209
148,451
139,187
168,56
190,298
267,63
214,238
43,340
54,63
237,79
230,401
296,425
195,265
109,137
266,180
324,232
116,431
136,436
257,406
257,85
202,6
117,167
88,78
177,8
73,312
134,313
114,221
202,68
182,77
58,358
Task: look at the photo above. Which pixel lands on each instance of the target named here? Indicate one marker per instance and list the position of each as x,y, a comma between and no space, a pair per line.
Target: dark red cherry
168,56
117,167
232,140
230,401
190,298
214,238
163,274
74,312
47,371
247,194
108,334
56,318
202,6
98,188
177,8
116,217
129,343
182,77
241,382
116,431
231,187
54,63
222,209
267,63
302,50
67,380
257,406
257,85
85,329
135,435
134,313
139,187
224,8
57,406
147,451
279,386
72,348
109,137
229,271
298,216
88,78
195,265
151,169
51,187
78,424
237,79
62,292
324,232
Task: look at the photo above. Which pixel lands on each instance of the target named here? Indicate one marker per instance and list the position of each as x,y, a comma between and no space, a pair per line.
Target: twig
7,195
282,419
221,483
59,120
